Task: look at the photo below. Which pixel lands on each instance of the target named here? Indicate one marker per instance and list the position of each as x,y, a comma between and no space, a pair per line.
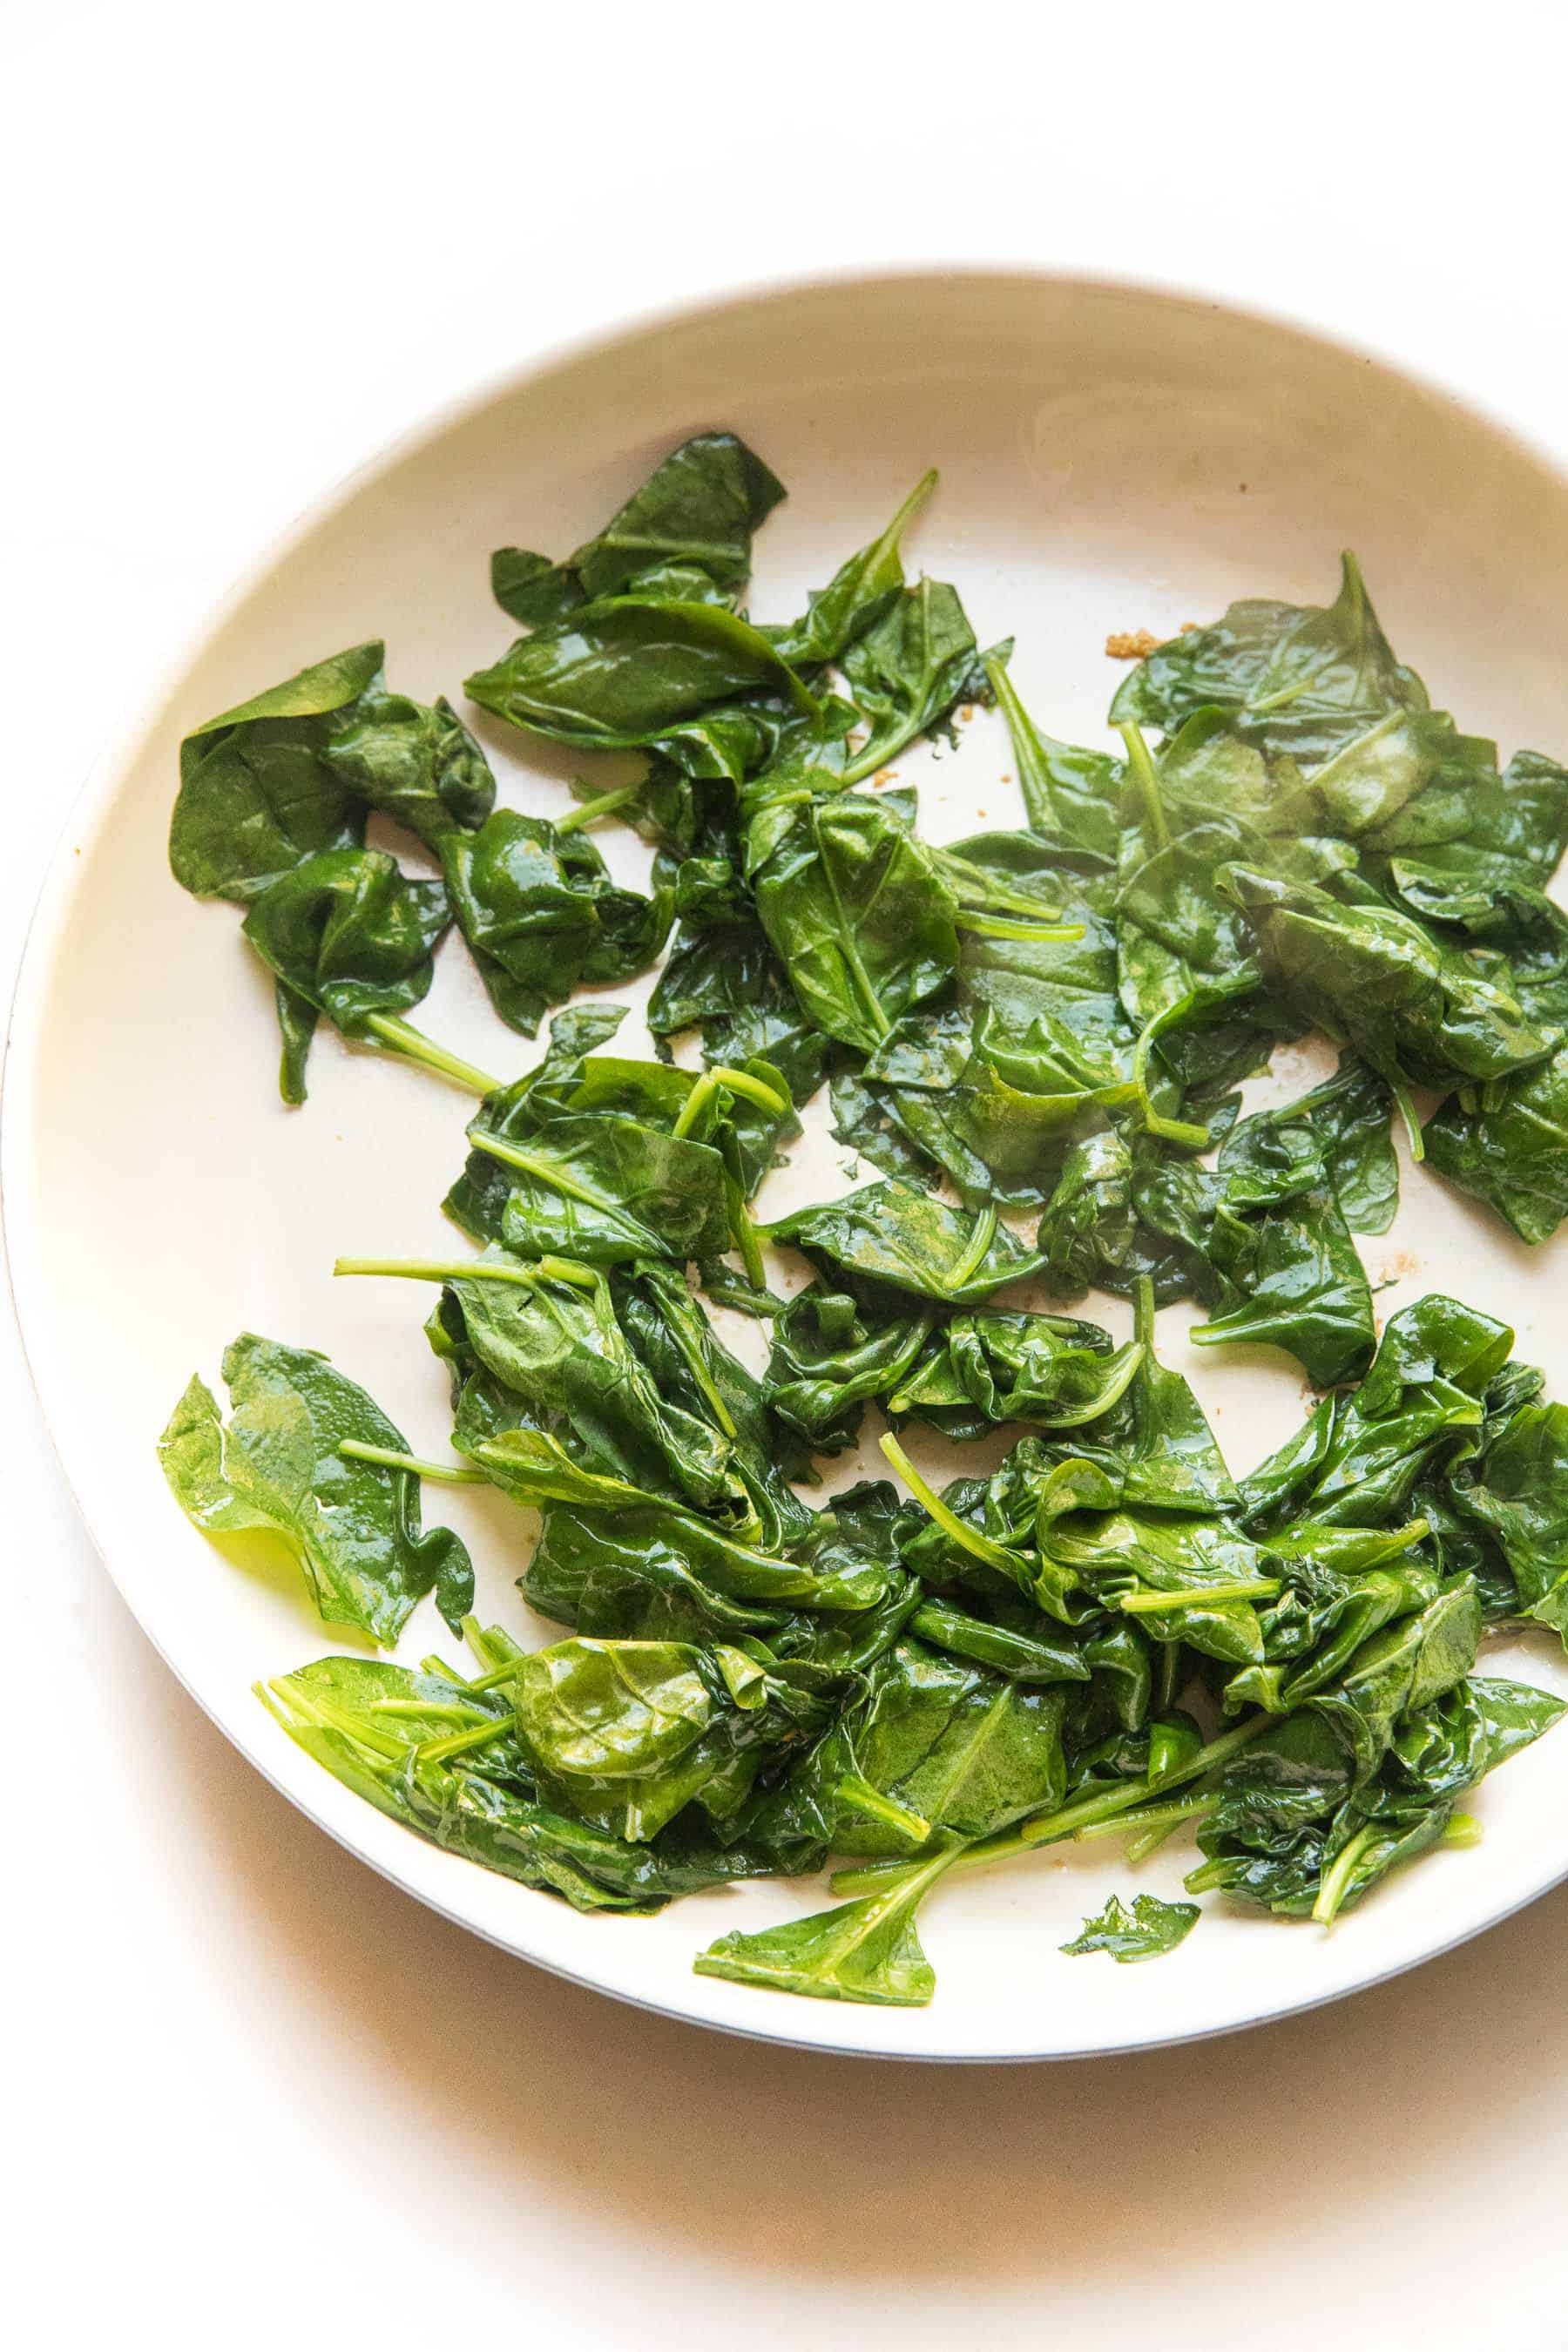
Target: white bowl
1112,458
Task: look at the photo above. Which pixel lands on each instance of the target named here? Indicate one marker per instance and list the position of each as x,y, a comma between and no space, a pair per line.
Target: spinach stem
859,1794
972,1256
739,1082
457,1743
431,1269
692,1353
524,1278
1174,1131
1154,1817
951,1525
600,804
1197,1596
1411,1121
1049,1829
1002,927
404,1039
1147,782
1462,1828
744,1233
448,1473
497,1676
1337,1878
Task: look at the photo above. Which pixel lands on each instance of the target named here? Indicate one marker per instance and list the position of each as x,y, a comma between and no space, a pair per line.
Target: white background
252,2093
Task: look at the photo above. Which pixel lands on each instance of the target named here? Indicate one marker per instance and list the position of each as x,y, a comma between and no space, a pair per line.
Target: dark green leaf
1146,1932
542,915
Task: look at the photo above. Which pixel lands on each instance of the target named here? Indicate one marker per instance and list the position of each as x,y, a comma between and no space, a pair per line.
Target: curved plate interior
1111,459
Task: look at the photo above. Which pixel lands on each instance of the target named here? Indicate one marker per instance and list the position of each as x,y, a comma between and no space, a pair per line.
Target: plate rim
88,808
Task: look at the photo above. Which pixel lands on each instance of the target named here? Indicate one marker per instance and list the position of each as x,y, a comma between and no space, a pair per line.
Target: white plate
1111,459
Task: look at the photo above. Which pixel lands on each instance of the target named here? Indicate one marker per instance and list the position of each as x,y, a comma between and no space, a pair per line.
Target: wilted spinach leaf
353,1525
692,520
541,916
1145,1932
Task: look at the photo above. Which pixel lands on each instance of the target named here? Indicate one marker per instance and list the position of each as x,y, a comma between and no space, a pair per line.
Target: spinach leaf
257,793
346,932
1334,1138
608,1191
910,669
1069,795
346,1720
626,672
863,1951
855,909
1041,1655
478,1200
858,595
551,1336
1297,678
1298,1283
1506,1144
290,774
416,763
992,1367
693,518
1357,1458
1376,978
890,1235
1518,1489
1146,1931
541,916
611,1710
949,1745
353,1525
830,1355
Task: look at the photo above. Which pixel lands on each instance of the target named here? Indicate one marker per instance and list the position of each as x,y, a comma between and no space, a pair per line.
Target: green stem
404,1039
450,1711
1143,1314
692,1353
435,1269
859,1794
972,1256
739,1082
497,1676
1051,1829
600,804
457,1743
744,1233
1337,1879
1174,1131
1152,1817
1462,1828
948,1521
1408,1114
425,1269
1110,1395
1002,927
490,1646
449,1473
1147,782
1198,1596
